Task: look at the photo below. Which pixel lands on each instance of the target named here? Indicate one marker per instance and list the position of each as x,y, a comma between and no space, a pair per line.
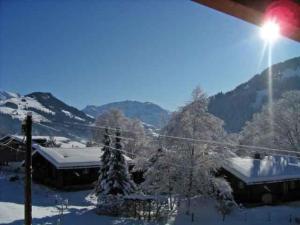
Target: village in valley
225,157
162,176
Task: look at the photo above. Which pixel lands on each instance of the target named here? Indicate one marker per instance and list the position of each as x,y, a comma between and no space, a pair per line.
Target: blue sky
95,52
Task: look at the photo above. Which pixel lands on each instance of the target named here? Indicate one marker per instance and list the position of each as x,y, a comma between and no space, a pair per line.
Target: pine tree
105,160
119,179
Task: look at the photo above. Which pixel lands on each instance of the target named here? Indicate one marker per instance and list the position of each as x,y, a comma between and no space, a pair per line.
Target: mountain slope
147,112
50,115
4,95
238,106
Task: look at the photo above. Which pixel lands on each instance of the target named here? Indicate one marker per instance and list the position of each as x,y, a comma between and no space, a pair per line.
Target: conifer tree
105,160
119,179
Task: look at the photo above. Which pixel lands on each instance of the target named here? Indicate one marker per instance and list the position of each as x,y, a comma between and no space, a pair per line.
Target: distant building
13,147
55,141
67,168
268,180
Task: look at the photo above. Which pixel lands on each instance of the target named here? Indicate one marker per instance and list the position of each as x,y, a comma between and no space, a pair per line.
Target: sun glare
270,31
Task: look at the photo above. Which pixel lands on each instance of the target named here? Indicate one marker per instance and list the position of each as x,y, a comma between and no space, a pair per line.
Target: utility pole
28,169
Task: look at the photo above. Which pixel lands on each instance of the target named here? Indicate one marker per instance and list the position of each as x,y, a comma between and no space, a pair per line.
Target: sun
270,31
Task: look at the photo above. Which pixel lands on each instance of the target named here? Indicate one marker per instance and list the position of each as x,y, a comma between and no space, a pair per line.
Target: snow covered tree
132,129
160,176
102,183
197,160
119,180
225,202
282,132
115,182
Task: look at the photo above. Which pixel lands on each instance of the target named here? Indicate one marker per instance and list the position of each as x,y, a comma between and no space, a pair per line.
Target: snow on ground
81,210
205,213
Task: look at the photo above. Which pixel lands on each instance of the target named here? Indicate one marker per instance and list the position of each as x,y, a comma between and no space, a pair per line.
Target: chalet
12,149
267,180
67,168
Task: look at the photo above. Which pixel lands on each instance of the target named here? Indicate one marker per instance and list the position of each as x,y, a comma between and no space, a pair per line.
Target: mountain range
54,117
147,112
50,115
238,106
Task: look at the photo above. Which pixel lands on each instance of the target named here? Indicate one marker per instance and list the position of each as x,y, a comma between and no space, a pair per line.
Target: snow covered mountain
50,115
237,106
7,95
147,112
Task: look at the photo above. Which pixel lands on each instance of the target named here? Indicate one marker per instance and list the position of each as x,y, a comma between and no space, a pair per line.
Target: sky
96,52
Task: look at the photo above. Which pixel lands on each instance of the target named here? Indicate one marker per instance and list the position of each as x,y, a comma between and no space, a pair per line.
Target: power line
163,162
51,128
195,140
228,144
122,137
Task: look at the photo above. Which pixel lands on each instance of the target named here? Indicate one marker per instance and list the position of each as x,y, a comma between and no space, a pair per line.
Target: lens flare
270,31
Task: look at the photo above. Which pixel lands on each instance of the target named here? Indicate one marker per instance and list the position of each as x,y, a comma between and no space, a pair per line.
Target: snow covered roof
266,170
67,158
63,142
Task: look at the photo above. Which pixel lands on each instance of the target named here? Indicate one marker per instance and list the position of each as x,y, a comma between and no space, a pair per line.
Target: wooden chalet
12,149
67,168
269,180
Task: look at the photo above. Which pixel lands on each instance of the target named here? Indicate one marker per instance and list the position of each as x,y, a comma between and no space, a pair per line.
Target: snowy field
81,210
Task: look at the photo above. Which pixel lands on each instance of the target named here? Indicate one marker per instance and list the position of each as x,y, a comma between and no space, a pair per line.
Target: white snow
63,142
69,114
79,118
64,158
24,104
20,114
90,116
7,95
268,169
81,210
205,213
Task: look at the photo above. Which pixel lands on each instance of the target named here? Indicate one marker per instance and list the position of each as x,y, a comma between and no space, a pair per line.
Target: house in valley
266,180
12,149
67,168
